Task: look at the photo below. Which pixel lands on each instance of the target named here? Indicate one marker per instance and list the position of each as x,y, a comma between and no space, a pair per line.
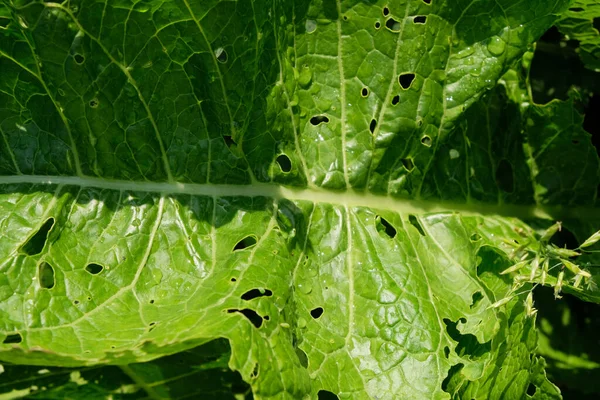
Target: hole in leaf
256,293
151,301
395,100
46,275
36,243
392,25
345,18
531,389
427,1
79,59
364,92
408,164
406,80
476,298
326,395
252,316
576,9
377,25
254,373
373,125
454,370
426,141
596,23
13,338
319,119
316,312
420,19
504,176
446,351
233,279
385,11
302,357
415,222
4,22
468,346
94,103
388,229
475,237
76,302
221,55
229,141
246,242
94,268
266,317
284,163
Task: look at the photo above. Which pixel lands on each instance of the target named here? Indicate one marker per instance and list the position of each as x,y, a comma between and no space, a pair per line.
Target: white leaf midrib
348,198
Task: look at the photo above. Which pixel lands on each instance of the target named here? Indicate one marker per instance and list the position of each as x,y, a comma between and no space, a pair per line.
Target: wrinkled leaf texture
327,185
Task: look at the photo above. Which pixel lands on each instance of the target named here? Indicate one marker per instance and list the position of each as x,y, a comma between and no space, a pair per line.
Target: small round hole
79,59
377,25
426,141
406,80
94,103
94,268
386,11
364,92
396,100
284,163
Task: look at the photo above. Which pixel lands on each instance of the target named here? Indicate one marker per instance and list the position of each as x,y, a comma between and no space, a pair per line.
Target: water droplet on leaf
496,46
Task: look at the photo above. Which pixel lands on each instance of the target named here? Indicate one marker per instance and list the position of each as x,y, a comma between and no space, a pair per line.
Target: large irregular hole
531,389
316,312
13,338
454,370
504,176
79,59
46,275
94,268
420,19
406,80
284,163
393,25
467,345
373,125
319,119
252,316
36,243
256,293
415,222
326,395
245,243
408,164
475,299
385,227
